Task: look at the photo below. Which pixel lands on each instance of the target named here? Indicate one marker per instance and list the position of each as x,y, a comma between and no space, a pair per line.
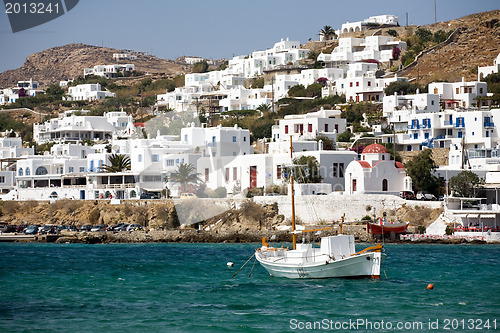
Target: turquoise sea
188,288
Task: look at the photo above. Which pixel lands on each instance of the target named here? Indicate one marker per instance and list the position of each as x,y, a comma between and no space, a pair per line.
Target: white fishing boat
334,258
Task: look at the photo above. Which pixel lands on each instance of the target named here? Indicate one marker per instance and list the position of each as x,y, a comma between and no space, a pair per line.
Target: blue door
82,194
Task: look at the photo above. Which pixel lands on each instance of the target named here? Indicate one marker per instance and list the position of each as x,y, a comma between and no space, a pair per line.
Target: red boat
385,228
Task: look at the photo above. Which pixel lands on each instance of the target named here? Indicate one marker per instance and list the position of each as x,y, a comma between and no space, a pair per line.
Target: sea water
188,288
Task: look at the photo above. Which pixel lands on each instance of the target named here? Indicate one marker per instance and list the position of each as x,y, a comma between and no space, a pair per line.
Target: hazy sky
210,28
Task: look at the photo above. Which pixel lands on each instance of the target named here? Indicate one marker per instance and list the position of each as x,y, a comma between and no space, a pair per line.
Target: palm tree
327,32
184,174
117,163
264,107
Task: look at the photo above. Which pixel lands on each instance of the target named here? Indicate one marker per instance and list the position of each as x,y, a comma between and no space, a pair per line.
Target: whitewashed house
76,128
376,173
379,48
484,71
87,92
108,71
460,94
386,20
28,88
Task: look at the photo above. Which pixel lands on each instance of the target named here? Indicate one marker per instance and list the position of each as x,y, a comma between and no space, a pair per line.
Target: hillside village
357,119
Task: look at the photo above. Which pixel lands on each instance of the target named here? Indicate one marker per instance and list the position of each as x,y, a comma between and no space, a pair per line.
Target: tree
185,174
327,32
345,136
200,67
420,170
402,88
117,163
264,107
55,91
466,184
305,171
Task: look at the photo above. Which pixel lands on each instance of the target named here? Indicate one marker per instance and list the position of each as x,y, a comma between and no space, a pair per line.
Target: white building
124,56
108,71
376,173
439,119
22,89
460,94
378,48
76,128
307,127
390,20
87,92
483,72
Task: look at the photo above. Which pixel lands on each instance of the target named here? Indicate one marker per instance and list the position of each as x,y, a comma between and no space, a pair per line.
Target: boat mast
294,236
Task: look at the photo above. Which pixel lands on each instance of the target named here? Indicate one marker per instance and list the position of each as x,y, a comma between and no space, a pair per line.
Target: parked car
21,227
10,228
150,195
321,193
99,227
134,227
272,194
425,196
123,227
188,196
48,229
72,228
407,195
86,227
31,230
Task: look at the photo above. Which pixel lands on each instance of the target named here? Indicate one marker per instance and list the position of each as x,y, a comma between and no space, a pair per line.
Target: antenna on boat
294,236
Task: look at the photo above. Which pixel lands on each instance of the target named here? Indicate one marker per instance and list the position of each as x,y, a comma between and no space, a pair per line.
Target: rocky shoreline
199,236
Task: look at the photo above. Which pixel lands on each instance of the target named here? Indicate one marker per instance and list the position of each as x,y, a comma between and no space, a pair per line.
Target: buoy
430,286
230,264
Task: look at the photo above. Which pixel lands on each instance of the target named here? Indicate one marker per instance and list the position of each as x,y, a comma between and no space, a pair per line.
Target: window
415,136
207,172
82,169
480,90
235,173
43,171
309,128
2,179
384,185
335,170
155,158
28,171
71,169
227,174
487,134
426,135
457,90
435,91
139,158
357,84
369,83
460,134
326,127
432,102
245,139
170,162
234,139
341,170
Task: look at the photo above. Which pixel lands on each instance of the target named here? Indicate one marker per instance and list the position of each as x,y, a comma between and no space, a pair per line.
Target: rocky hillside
68,61
476,43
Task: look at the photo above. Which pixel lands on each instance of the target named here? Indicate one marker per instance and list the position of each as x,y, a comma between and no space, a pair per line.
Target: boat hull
366,265
386,229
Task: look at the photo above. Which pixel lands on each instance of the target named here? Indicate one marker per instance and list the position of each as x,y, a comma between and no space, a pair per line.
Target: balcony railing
489,124
414,126
460,125
448,123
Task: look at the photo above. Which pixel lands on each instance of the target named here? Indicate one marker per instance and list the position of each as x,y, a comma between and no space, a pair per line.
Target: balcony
448,123
488,124
460,125
414,126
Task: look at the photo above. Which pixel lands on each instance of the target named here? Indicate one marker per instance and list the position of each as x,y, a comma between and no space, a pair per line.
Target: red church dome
375,148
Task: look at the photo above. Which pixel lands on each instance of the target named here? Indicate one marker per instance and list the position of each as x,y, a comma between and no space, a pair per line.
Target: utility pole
435,12
406,18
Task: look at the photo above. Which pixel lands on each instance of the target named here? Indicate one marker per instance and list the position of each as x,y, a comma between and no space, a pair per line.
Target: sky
212,29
